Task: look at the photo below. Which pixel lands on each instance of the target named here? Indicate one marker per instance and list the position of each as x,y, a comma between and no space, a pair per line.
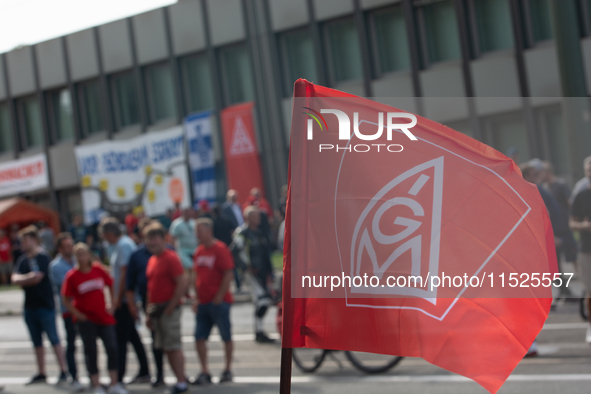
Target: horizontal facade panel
127,133
495,76
366,4
50,61
187,27
226,21
115,46
329,9
150,36
6,156
62,164
352,87
82,55
398,85
21,75
496,105
287,14
542,71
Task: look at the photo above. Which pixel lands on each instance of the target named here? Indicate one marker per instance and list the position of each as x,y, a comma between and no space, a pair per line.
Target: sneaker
179,388
117,389
158,383
263,338
99,390
226,377
37,379
62,379
203,379
76,387
141,379
588,336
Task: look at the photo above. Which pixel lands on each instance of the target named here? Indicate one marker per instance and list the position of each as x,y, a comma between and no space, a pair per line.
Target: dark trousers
126,332
71,348
89,333
158,359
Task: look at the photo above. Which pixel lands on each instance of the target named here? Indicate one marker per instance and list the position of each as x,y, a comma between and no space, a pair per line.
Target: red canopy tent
23,212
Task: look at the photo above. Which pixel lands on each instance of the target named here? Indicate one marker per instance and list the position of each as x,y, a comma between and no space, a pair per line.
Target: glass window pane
494,24
557,141
160,92
5,129
540,19
238,74
510,133
62,117
90,98
343,43
391,40
125,100
441,30
299,57
197,82
31,122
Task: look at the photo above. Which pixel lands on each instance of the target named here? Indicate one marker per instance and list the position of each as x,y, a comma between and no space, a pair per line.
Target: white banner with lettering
149,171
23,175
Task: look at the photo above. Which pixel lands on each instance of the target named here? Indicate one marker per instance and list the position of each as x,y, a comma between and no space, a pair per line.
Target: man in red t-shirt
214,267
5,257
166,285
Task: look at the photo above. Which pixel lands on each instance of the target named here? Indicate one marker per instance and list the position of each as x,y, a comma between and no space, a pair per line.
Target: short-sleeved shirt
5,247
582,209
41,294
119,258
210,265
162,271
58,269
184,233
87,291
136,271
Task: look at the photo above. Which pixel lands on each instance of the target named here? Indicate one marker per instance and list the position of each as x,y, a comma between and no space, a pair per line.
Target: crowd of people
106,276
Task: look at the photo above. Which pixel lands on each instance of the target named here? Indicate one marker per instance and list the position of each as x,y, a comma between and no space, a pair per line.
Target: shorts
186,256
167,331
210,314
585,267
6,268
41,320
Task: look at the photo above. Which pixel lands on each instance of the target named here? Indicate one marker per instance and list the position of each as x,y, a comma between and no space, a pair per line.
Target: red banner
243,165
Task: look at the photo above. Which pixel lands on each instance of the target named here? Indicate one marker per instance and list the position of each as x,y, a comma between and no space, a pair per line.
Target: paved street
564,364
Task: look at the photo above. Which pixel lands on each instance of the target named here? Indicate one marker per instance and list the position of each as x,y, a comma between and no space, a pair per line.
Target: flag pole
285,374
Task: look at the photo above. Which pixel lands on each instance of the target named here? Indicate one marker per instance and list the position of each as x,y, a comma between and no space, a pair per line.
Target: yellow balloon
86,180
158,179
103,185
151,195
148,169
121,191
138,188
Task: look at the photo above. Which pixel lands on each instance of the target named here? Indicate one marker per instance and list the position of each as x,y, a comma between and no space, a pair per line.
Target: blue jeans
41,320
210,314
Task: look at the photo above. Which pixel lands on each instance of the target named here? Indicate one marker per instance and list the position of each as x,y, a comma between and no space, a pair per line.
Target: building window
60,114
197,82
508,131
125,99
539,20
344,54
297,50
91,109
160,92
5,129
30,122
237,74
551,125
390,41
439,32
493,24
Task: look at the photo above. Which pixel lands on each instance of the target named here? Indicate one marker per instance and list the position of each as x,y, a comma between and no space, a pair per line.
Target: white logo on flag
368,234
241,142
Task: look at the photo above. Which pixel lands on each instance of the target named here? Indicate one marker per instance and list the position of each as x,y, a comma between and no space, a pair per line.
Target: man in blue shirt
137,284
58,269
122,247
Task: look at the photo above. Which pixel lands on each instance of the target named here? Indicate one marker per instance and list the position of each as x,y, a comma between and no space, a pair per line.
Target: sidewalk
11,302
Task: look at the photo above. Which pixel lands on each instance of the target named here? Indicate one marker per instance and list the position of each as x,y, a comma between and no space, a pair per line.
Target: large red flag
243,165
449,252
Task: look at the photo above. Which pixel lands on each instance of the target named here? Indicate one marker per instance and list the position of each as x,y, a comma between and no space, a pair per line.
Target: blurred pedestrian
581,221
166,285
214,269
83,296
252,247
6,264
15,242
77,229
137,285
122,248
182,230
47,238
32,274
203,209
231,211
58,268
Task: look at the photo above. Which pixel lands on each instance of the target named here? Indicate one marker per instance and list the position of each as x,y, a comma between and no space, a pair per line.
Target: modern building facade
494,69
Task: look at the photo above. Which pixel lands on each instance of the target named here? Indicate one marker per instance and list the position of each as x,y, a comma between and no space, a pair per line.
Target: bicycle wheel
584,309
308,360
372,363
